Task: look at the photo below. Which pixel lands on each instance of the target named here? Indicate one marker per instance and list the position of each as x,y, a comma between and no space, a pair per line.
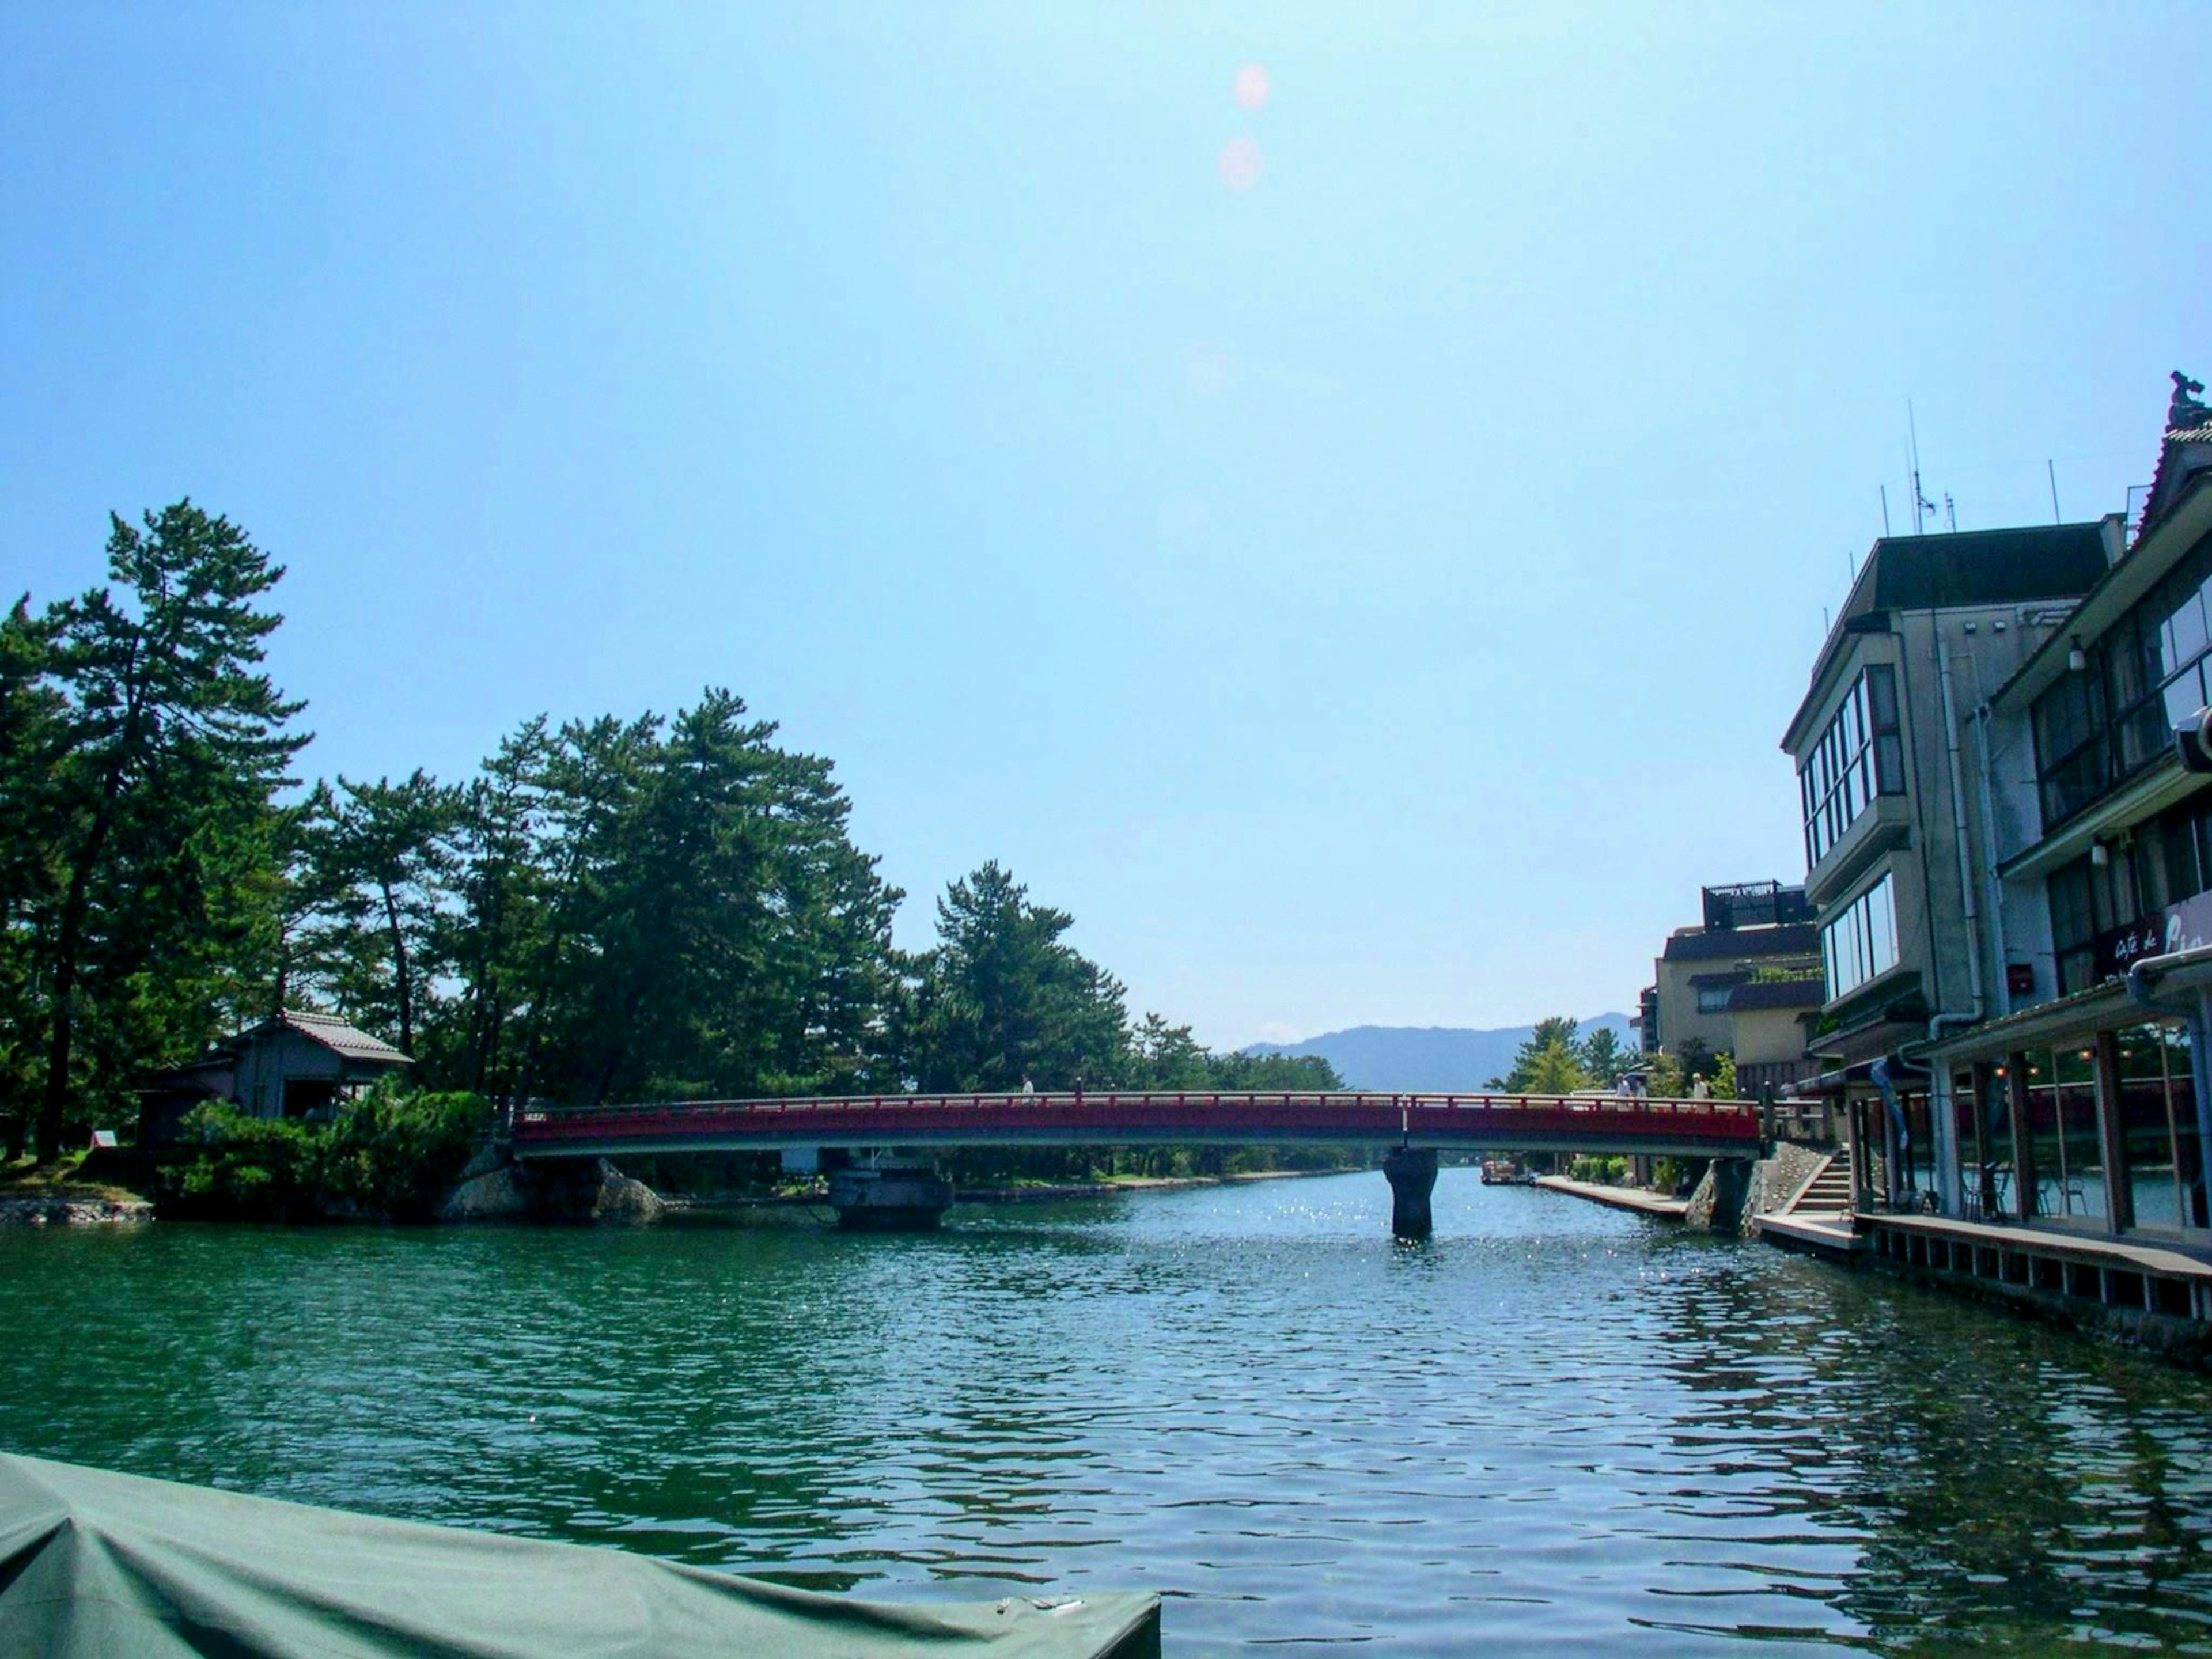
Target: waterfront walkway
1620,1198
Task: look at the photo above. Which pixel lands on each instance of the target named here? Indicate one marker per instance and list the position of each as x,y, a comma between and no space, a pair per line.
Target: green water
1553,1429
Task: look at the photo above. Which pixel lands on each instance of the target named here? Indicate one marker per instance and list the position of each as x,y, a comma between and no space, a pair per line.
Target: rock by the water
495,1194
70,1211
623,1199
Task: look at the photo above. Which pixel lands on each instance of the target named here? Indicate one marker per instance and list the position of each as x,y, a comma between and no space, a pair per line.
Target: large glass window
1983,1125
2062,1117
1861,942
2145,676
2158,1116
1858,755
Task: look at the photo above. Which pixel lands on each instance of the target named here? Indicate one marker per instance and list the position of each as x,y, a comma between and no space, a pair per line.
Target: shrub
1605,1171
243,1168
392,1154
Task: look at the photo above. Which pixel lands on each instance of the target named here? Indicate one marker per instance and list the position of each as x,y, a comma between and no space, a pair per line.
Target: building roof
1961,569
2178,525
1796,939
2183,453
1985,567
1759,994
345,1041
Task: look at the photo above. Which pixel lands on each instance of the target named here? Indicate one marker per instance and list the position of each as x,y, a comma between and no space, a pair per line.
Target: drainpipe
1986,763
1958,844
1939,1093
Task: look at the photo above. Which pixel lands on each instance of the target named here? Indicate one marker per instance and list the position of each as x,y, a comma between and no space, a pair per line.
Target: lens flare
1251,86
1240,164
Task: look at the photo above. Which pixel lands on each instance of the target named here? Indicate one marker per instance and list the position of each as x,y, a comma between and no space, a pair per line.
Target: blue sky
1371,592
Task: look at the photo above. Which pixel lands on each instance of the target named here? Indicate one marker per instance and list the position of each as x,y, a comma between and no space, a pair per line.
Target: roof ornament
2185,411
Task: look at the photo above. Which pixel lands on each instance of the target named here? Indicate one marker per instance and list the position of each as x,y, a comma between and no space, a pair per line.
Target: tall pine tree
160,800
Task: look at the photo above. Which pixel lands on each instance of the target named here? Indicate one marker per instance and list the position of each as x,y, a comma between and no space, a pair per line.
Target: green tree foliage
661,908
33,738
1549,1062
154,915
612,910
1722,1078
377,859
1005,998
391,1156
1605,1057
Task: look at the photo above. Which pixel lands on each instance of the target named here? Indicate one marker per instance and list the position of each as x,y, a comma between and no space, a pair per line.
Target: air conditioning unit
2192,742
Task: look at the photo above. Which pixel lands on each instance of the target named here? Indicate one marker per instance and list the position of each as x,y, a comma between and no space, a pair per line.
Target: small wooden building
297,1065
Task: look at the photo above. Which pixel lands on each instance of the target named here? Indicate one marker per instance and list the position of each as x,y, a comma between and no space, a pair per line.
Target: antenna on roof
1885,511
2052,467
1950,512
1923,508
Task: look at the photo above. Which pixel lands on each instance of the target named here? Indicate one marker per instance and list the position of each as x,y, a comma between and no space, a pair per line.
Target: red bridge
905,1194
1528,1123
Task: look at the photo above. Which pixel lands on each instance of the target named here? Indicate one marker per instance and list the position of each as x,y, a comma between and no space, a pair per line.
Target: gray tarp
95,1565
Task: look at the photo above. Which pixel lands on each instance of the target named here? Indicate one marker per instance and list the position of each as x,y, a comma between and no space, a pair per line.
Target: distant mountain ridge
1426,1059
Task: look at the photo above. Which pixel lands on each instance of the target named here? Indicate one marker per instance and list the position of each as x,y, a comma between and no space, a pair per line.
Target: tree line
1556,1058
615,908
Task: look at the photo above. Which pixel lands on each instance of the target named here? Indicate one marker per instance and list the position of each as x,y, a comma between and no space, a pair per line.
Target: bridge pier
1412,1173
890,1196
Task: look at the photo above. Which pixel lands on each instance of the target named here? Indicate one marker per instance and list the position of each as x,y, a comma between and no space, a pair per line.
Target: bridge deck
1535,1123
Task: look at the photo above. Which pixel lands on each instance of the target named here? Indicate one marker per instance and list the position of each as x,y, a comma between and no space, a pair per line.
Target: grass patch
24,1177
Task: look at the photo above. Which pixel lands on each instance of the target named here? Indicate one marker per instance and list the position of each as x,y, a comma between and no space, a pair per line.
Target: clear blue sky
1371,593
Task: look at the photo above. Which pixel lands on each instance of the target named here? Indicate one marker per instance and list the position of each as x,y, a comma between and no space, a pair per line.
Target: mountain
1426,1059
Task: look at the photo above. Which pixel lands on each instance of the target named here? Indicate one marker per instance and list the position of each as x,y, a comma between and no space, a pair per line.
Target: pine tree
1003,997
161,799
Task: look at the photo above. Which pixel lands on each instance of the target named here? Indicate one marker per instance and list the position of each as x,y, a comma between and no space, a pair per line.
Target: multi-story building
1891,812
1737,982
2079,1104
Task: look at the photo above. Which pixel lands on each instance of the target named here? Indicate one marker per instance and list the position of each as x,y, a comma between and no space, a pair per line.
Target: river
1551,1428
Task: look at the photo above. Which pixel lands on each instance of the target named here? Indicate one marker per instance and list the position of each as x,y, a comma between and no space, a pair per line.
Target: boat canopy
97,1563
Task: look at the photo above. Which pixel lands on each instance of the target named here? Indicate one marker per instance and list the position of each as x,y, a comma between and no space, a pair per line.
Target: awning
2102,1007
1835,1082
94,1564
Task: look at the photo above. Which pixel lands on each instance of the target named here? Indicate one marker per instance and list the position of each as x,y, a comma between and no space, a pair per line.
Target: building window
2072,892
2185,847
1714,999
1862,942
2146,676
1858,755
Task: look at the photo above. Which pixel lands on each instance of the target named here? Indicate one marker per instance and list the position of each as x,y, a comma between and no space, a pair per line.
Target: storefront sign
2182,927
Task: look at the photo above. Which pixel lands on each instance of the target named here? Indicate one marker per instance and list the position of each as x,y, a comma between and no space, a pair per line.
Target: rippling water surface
1551,1428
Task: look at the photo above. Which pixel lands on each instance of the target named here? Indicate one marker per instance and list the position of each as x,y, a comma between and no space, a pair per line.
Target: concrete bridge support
904,1196
1411,1172
1717,1205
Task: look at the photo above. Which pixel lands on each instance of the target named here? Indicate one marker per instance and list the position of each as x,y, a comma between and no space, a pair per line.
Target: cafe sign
2182,927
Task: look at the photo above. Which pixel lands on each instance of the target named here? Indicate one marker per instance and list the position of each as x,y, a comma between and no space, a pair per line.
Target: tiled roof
1796,938
347,1041
1777,993
2185,452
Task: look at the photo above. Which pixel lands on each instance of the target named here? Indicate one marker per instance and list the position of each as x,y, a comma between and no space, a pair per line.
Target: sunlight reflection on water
1552,1426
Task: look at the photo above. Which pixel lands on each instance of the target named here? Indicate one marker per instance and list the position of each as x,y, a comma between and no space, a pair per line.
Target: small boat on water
98,1563
1506,1172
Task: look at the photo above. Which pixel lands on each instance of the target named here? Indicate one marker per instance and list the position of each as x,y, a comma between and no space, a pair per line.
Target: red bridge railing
1732,1120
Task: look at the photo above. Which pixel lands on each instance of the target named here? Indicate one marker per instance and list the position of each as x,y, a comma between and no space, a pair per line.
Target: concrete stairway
1828,1193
